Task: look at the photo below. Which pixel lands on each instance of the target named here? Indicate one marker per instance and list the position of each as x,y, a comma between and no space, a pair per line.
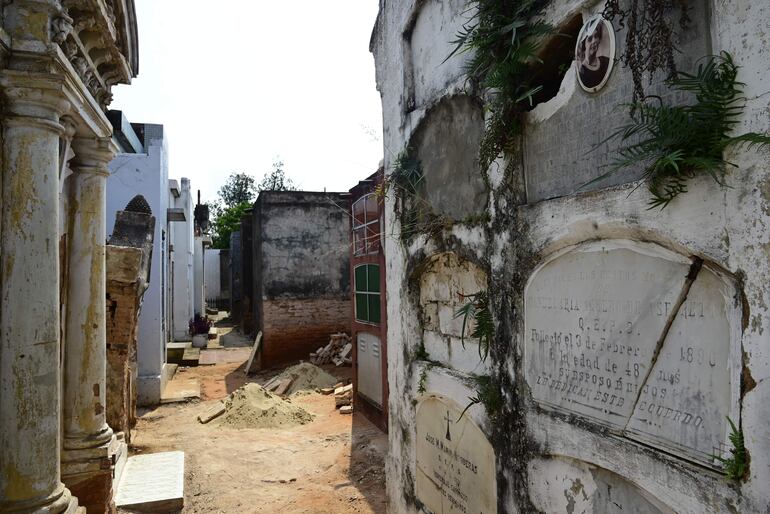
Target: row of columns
39,441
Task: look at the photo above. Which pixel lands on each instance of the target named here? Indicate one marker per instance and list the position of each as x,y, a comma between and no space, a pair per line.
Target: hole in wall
557,54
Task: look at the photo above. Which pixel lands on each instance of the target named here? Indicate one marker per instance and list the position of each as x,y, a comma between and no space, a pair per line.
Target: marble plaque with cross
455,461
636,338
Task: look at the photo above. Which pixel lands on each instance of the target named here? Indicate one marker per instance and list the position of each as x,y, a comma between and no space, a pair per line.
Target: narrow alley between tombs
388,257
332,464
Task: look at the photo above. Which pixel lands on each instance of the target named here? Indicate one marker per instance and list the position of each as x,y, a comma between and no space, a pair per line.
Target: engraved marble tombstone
617,333
455,461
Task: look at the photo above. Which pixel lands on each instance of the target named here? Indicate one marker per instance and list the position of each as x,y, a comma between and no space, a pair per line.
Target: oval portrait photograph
595,53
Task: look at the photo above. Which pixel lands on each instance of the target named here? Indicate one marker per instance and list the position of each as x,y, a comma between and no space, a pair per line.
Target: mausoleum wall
583,281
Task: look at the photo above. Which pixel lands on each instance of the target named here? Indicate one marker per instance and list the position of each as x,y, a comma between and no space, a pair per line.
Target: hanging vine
650,33
504,41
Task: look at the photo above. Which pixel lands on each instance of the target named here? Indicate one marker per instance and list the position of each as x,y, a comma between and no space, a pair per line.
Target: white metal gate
370,367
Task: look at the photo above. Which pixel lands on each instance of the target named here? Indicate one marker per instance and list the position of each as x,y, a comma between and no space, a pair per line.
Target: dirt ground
332,465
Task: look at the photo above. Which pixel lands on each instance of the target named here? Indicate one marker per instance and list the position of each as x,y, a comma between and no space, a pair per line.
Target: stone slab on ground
212,412
152,483
211,356
180,390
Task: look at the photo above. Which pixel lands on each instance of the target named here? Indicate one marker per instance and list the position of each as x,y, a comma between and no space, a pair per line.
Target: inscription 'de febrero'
593,319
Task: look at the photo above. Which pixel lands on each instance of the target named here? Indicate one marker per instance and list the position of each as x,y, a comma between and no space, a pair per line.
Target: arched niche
445,281
446,143
637,338
430,70
564,485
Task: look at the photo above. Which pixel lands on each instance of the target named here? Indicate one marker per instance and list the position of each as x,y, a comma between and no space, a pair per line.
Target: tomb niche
638,339
561,142
565,485
446,144
445,282
455,465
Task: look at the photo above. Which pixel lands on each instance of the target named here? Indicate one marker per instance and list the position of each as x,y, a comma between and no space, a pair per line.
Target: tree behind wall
238,189
227,221
277,180
237,196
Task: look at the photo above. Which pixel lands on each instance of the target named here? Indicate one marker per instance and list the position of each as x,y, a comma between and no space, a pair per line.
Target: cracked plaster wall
725,227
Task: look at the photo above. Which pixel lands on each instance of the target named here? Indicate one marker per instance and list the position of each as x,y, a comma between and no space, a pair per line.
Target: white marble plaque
455,461
153,483
594,316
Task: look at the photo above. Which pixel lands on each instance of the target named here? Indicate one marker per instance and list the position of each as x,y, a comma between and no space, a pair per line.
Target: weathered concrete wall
550,459
301,258
236,286
249,292
147,174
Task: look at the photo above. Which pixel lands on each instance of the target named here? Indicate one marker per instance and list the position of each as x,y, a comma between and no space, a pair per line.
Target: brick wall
292,328
124,290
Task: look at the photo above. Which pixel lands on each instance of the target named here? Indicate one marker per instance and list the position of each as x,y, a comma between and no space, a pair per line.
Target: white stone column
30,378
88,440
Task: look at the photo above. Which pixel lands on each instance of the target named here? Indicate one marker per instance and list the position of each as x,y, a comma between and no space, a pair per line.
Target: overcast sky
245,82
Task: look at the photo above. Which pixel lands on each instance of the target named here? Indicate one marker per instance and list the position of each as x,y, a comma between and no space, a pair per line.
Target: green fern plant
736,465
676,143
483,325
488,393
504,41
414,212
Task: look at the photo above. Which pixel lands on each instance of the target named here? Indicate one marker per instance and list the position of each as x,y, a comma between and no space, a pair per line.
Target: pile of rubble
337,351
301,377
343,397
251,406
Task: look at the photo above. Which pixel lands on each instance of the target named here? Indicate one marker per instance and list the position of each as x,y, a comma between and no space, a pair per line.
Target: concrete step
152,483
175,351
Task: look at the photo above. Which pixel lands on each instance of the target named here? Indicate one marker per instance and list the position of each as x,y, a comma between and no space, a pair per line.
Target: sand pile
252,406
301,377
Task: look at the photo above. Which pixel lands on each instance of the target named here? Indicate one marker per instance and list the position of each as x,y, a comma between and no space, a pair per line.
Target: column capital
24,22
92,154
33,99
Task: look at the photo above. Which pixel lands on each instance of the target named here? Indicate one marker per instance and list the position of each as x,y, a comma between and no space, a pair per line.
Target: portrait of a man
595,53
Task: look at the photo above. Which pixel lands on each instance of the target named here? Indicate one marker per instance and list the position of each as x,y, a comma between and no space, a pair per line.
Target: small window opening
366,225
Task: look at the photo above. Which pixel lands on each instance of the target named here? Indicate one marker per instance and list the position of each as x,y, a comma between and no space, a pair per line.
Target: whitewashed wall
545,461
183,295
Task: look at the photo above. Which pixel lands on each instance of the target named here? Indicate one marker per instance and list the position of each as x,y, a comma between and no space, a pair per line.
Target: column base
60,502
88,473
